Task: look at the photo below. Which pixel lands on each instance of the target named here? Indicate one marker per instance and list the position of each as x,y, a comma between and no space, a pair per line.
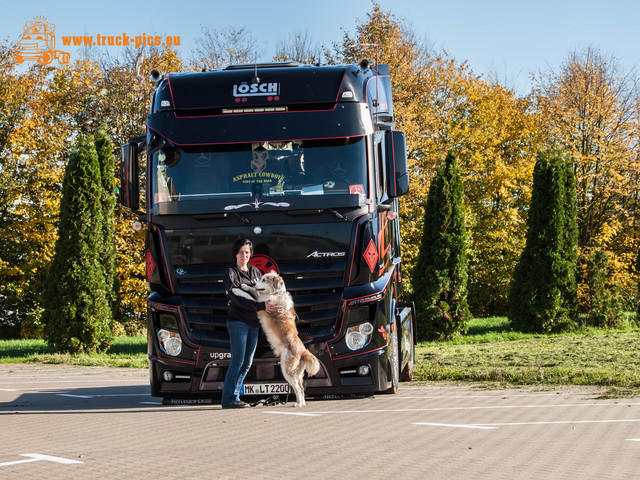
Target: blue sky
509,39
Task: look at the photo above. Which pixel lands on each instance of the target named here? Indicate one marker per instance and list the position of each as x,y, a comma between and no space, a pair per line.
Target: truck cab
304,161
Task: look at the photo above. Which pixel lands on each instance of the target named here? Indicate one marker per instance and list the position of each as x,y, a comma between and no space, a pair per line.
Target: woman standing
242,323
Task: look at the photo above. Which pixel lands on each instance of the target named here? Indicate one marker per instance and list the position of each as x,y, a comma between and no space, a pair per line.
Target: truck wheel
407,371
395,363
154,382
46,58
64,58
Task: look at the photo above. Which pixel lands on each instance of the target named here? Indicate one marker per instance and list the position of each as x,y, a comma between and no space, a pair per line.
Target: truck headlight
170,342
359,336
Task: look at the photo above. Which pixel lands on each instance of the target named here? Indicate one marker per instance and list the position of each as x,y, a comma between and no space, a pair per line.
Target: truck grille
316,290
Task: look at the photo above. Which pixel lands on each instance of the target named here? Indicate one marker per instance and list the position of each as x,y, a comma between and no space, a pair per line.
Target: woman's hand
270,307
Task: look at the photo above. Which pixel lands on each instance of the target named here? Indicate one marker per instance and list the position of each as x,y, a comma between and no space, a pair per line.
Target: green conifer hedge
77,316
440,275
108,252
543,296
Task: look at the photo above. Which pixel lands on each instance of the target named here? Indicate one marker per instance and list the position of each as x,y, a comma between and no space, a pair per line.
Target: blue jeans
243,340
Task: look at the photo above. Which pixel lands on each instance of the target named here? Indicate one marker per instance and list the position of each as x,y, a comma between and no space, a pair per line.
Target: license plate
265,388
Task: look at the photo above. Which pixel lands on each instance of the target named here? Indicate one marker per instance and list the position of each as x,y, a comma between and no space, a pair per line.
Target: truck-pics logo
257,90
38,42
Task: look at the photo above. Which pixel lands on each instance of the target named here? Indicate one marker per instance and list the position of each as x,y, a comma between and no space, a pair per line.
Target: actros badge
317,254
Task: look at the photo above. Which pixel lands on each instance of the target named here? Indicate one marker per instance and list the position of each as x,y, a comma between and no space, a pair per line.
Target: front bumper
205,379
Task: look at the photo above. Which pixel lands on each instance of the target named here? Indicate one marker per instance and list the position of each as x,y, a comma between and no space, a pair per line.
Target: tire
45,59
395,363
407,371
153,382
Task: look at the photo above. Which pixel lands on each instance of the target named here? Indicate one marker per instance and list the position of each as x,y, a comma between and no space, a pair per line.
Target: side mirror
129,174
396,156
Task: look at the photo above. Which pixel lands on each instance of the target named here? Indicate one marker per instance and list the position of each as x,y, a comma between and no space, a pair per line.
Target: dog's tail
310,362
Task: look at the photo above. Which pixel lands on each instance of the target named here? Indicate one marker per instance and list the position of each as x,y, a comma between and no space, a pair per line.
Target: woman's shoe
238,404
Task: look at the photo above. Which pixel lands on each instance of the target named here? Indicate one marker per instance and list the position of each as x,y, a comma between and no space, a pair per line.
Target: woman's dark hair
241,242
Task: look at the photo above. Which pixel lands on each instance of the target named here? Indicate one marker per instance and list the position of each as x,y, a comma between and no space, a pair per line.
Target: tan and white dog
281,331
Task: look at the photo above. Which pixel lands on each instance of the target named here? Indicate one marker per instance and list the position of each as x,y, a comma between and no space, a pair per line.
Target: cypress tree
543,295
568,274
638,292
108,204
603,306
76,315
440,275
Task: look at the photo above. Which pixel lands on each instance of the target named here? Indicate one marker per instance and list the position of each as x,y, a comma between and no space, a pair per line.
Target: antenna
256,78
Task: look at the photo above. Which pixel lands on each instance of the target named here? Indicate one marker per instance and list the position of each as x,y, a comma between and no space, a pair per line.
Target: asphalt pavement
64,422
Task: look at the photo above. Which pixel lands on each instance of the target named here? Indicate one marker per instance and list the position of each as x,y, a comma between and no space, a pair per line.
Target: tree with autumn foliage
76,312
123,90
128,98
40,110
442,106
589,106
31,169
440,274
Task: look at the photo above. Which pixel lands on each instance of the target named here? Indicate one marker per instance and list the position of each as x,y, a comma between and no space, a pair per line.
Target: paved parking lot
61,422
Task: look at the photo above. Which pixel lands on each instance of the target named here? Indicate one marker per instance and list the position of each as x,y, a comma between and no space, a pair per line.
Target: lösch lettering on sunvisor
256,89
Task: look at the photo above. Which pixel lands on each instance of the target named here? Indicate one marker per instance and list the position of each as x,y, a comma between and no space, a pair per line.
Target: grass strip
128,352
495,354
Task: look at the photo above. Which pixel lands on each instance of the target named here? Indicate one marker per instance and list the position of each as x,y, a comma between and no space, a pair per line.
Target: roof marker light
253,110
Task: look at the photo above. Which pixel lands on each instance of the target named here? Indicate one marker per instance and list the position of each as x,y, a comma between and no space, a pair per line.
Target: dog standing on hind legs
281,331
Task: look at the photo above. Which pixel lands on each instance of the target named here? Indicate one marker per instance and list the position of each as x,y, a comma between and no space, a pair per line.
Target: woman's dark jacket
242,309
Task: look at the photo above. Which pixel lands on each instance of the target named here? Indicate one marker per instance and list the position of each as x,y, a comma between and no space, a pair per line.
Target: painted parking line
106,395
445,409
37,457
299,414
494,426
455,425
448,397
53,388
49,381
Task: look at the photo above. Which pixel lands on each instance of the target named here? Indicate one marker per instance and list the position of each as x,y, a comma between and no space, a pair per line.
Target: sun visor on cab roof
271,87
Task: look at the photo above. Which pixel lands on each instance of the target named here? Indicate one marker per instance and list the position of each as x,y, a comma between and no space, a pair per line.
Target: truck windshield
308,167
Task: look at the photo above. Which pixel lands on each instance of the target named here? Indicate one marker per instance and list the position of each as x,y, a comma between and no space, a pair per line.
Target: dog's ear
278,283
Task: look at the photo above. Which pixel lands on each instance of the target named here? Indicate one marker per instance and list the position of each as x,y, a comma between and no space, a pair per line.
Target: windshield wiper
244,219
317,211
337,214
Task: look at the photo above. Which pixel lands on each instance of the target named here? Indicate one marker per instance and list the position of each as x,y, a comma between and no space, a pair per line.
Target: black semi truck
304,161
